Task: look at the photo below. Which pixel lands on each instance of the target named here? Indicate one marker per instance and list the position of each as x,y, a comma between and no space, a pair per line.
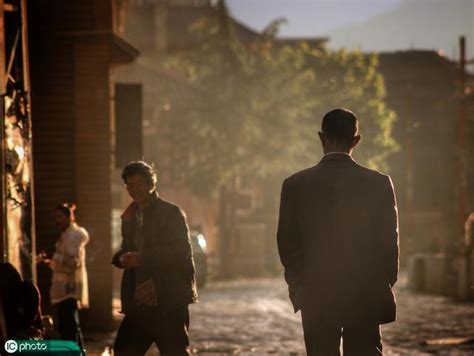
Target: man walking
338,241
158,282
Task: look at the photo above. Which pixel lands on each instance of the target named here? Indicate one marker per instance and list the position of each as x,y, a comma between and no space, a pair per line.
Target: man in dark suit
338,241
158,281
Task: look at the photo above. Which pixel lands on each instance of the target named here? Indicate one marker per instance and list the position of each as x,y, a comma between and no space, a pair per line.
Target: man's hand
130,260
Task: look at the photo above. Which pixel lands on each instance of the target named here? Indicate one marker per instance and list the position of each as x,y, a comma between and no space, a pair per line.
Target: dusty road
255,317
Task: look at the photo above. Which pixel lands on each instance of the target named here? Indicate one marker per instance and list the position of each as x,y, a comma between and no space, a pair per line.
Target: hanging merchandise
17,207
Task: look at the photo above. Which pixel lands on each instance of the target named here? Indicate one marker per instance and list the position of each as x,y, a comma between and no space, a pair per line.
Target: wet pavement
255,317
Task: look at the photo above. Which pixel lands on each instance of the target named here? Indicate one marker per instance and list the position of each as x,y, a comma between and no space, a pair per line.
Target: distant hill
418,24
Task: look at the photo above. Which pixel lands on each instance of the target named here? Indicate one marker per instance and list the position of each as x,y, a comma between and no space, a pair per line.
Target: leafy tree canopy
260,105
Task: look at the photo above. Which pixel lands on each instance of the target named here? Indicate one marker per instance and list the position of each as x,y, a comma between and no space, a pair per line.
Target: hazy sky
370,25
307,17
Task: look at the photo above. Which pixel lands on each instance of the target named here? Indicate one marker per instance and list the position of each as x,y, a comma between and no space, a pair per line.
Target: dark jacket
166,255
338,241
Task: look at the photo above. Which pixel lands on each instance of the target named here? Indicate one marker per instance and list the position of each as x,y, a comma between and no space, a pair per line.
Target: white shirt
69,267
337,153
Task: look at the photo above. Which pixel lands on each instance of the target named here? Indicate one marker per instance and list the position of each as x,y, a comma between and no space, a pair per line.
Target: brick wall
73,132
93,167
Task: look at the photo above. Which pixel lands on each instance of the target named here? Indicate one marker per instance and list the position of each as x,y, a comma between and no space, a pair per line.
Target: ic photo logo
11,346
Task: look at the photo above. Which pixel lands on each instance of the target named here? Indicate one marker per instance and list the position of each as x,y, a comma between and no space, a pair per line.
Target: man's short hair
141,168
340,125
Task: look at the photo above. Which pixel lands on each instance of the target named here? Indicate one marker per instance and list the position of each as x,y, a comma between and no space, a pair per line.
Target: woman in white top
69,289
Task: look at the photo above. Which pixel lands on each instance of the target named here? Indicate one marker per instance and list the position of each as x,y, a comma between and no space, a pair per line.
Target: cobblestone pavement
255,317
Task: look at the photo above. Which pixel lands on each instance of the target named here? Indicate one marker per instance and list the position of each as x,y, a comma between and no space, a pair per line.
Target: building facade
72,48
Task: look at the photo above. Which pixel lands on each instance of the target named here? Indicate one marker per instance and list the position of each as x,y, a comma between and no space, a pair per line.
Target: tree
351,80
260,104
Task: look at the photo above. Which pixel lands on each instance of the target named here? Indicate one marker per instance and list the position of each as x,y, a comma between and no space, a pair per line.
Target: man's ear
322,137
355,141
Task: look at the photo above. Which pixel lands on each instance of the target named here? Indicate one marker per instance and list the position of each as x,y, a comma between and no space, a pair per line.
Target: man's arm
289,245
71,258
68,259
116,259
389,231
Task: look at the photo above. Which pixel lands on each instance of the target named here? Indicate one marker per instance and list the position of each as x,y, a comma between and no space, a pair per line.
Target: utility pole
463,170
409,125
462,138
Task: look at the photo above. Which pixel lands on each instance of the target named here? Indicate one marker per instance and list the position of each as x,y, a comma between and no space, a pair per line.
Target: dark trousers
68,321
358,339
147,325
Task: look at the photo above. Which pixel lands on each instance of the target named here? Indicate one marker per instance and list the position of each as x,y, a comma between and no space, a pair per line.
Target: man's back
338,241
343,218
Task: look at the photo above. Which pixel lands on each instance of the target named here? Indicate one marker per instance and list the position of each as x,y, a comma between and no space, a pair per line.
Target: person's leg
65,320
320,338
133,337
68,321
77,324
362,339
172,334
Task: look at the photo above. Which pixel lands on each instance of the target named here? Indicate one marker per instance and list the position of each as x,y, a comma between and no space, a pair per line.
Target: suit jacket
166,255
338,241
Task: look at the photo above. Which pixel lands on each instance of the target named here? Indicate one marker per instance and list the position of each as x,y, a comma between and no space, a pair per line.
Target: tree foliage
260,105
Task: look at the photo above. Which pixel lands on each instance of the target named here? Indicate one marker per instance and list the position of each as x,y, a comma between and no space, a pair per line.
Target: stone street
255,317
